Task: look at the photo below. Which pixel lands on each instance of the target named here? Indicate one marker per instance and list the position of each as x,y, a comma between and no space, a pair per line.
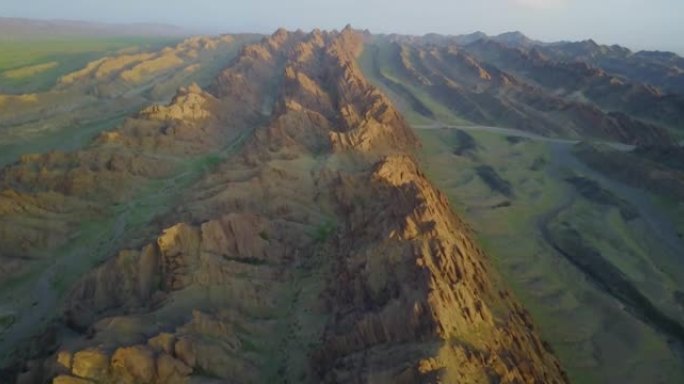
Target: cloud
540,4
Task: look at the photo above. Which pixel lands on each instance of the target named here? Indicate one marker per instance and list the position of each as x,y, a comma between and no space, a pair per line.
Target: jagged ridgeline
295,239
540,88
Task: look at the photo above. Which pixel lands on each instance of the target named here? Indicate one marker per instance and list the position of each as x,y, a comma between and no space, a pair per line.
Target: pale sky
637,24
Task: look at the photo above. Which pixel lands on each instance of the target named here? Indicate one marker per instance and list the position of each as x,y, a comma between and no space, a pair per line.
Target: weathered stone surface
90,364
134,364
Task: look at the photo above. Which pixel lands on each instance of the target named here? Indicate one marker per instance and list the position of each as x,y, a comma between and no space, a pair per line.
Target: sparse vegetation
323,231
591,190
381,68
20,59
29,71
403,91
465,143
209,163
557,295
494,180
538,164
6,321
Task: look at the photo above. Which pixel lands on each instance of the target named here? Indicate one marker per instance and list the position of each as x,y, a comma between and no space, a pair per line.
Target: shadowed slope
489,83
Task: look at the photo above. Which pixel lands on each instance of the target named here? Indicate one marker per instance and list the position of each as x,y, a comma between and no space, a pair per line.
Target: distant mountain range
19,28
660,68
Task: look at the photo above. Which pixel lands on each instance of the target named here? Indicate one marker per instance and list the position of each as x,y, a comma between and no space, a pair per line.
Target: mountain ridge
268,217
312,247
488,83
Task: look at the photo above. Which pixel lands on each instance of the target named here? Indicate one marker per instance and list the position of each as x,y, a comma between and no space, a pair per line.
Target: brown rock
163,342
170,370
64,359
185,351
134,364
90,364
64,379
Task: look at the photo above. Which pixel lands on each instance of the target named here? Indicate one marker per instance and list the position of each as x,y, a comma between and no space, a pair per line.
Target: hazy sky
652,24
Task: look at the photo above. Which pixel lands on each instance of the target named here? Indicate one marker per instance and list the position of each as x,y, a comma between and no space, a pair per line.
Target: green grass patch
323,231
71,138
380,68
209,162
35,65
595,339
28,71
6,321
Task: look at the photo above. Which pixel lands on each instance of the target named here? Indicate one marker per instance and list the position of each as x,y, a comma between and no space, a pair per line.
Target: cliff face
316,251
